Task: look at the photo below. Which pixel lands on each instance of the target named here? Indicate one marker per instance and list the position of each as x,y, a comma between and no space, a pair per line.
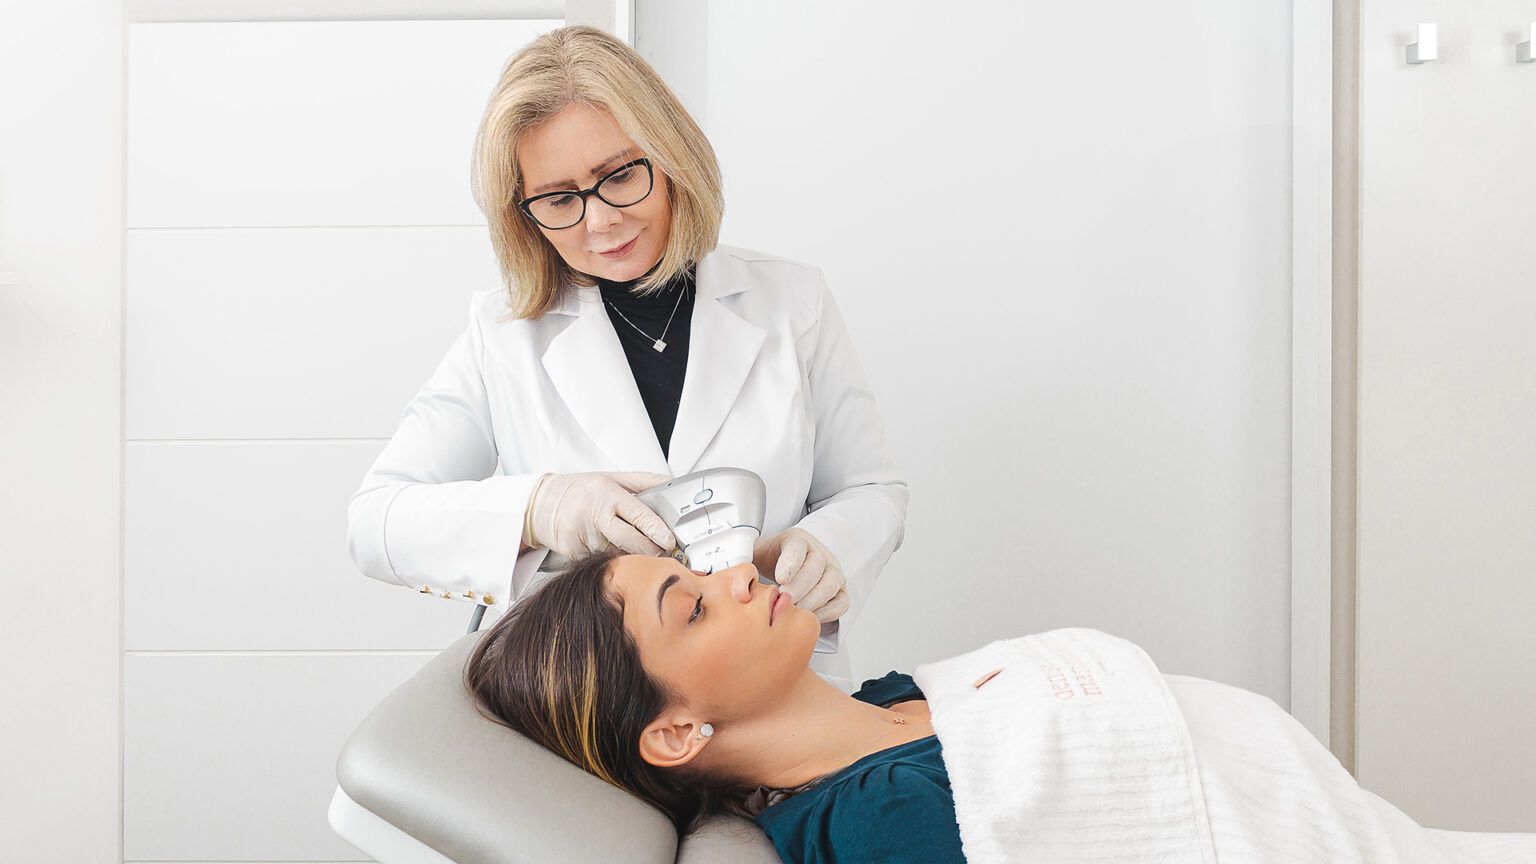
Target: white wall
1447,484
1085,372
60,428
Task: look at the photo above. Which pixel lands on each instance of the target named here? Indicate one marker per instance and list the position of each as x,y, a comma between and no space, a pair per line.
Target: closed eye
698,611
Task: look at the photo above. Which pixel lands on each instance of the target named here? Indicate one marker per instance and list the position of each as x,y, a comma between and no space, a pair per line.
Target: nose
739,581
601,215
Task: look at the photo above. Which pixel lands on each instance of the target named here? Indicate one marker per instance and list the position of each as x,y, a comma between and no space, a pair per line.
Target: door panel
1447,485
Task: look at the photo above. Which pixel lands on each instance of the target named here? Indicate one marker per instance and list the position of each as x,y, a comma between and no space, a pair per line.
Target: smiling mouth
621,250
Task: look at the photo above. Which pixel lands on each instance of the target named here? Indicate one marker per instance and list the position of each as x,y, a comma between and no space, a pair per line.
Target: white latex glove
806,571
574,514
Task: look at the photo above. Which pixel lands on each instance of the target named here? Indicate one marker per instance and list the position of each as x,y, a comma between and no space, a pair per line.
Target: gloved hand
806,571
574,514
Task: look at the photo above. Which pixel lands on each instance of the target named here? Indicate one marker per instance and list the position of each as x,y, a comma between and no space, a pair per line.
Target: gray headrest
426,761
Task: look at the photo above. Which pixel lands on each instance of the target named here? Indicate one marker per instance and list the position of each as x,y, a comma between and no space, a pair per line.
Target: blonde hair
584,65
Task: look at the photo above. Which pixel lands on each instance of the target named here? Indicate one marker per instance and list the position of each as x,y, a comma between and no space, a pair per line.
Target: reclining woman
693,692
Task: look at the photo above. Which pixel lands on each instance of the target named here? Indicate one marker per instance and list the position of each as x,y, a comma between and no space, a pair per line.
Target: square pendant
660,346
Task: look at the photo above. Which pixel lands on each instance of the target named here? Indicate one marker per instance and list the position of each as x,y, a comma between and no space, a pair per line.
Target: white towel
1070,746
1073,751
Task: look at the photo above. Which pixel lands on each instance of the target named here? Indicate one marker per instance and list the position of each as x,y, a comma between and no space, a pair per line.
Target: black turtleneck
658,374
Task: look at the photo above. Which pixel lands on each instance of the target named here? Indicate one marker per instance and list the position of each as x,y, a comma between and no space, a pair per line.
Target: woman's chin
629,268
613,273
806,629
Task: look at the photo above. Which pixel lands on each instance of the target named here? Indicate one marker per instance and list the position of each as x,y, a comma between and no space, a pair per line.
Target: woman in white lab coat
626,348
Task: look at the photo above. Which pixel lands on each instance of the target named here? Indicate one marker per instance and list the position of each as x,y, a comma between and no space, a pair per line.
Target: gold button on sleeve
488,600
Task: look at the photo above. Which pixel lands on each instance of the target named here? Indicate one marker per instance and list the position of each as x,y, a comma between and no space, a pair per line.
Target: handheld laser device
716,515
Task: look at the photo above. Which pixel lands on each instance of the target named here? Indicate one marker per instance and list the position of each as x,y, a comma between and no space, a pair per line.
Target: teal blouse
890,806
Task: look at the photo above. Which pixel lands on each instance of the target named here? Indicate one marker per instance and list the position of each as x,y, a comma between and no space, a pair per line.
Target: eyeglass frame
584,194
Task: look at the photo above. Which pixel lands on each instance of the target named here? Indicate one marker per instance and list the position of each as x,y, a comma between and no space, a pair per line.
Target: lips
778,604
621,251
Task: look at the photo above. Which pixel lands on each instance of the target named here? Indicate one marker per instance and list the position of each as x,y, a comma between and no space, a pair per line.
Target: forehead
572,144
635,578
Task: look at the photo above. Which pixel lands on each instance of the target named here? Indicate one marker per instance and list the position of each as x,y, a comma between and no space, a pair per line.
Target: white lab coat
773,385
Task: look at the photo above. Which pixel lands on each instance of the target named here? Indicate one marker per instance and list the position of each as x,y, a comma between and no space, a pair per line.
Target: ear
672,740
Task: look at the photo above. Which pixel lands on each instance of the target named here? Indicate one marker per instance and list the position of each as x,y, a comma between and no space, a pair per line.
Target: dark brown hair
560,668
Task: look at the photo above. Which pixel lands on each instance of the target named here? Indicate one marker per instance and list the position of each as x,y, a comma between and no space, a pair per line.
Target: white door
1446,676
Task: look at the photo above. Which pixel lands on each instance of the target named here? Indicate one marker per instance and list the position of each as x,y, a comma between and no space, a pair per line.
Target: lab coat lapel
587,365
721,350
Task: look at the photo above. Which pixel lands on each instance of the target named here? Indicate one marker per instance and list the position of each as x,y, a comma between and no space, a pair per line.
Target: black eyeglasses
625,186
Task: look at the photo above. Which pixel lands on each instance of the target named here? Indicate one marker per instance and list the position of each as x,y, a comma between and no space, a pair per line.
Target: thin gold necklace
896,721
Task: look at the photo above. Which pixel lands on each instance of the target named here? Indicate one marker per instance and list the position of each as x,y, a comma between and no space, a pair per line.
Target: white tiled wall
312,123
291,332
230,757
240,546
302,247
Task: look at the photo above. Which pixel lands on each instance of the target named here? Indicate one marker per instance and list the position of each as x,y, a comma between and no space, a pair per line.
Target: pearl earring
706,731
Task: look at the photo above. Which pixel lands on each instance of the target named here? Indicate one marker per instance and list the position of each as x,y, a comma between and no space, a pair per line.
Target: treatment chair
425,779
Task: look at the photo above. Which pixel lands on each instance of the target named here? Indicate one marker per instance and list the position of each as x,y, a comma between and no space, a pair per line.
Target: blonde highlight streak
587,723
555,686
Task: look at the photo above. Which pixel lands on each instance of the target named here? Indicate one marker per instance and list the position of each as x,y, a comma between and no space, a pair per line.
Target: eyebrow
671,580
595,171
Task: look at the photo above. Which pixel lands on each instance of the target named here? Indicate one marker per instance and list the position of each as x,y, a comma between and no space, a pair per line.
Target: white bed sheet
1432,846
1491,848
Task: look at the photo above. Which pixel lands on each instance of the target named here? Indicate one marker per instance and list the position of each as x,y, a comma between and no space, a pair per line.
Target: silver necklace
657,342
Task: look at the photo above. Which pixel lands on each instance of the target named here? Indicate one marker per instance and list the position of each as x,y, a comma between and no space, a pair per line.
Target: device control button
703,496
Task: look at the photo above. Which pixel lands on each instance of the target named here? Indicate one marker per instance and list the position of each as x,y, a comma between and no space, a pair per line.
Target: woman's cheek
703,668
